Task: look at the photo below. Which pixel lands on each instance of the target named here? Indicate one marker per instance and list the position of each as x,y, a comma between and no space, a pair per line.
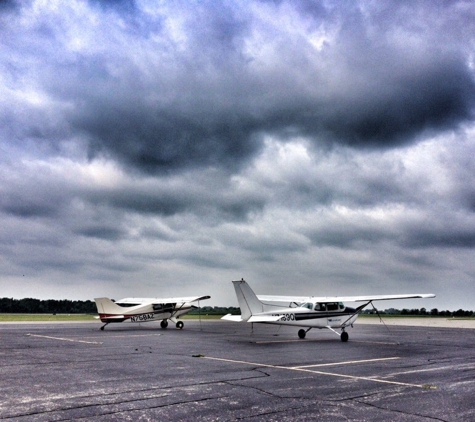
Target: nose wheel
302,333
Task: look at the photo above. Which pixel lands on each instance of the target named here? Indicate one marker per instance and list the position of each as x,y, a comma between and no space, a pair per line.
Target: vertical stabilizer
248,301
106,306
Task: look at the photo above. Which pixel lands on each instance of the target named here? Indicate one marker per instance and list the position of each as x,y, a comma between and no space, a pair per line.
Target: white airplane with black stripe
308,312
146,309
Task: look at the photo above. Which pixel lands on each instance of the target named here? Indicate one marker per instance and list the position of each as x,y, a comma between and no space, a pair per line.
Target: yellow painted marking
318,372
65,339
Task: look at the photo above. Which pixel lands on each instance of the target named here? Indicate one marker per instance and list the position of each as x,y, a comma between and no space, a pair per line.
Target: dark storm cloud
447,238
171,197
122,5
27,199
393,111
199,95
353,235
8,5
209,130
101,232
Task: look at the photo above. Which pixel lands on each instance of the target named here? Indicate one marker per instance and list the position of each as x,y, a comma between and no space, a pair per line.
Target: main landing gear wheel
302,333
164,323
344,336
180,325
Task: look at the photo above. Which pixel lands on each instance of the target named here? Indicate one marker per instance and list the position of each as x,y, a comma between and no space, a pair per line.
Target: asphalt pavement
224,371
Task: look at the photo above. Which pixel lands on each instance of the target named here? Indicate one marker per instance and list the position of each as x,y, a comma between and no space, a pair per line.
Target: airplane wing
380,297
180,299
325,299
153,300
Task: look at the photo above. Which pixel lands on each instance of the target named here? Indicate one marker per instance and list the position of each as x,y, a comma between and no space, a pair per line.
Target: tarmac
214,370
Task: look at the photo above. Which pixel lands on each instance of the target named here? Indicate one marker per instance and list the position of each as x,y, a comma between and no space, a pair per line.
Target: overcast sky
166,148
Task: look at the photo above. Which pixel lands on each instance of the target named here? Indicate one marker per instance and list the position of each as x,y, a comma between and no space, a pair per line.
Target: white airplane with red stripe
146,309
305,311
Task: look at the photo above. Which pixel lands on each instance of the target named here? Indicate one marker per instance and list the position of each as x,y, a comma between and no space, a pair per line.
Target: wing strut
357,312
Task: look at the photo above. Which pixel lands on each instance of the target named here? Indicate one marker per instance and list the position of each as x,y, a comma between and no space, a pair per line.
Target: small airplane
308,312
146,309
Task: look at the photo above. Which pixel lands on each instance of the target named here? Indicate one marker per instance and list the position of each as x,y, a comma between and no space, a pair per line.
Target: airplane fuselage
140,310
307,312
304,317
147,313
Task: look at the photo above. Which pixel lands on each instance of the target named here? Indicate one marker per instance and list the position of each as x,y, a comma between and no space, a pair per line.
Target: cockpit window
127,304
329,306
323,306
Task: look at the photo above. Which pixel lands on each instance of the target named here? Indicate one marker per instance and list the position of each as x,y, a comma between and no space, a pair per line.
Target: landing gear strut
102,328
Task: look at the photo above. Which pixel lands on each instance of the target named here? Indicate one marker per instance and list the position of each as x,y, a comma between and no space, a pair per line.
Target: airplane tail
247,299
105,306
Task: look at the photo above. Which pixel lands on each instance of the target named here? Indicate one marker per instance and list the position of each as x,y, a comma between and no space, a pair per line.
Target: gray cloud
201,96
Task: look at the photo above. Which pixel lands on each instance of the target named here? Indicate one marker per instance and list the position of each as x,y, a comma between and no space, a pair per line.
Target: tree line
50,306
422,312
65,306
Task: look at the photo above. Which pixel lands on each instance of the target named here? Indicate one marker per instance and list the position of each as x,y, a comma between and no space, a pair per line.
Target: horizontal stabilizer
264,318
253,318
234,318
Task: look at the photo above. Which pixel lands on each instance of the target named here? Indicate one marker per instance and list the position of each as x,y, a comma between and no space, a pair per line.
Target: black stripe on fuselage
323,314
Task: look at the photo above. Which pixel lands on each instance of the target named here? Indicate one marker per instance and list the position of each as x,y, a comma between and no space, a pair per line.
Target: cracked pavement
222,371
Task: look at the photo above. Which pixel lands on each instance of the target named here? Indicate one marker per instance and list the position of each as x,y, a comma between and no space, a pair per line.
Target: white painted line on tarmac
129,335
292,341
321,341
301,369
349,362
65,339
